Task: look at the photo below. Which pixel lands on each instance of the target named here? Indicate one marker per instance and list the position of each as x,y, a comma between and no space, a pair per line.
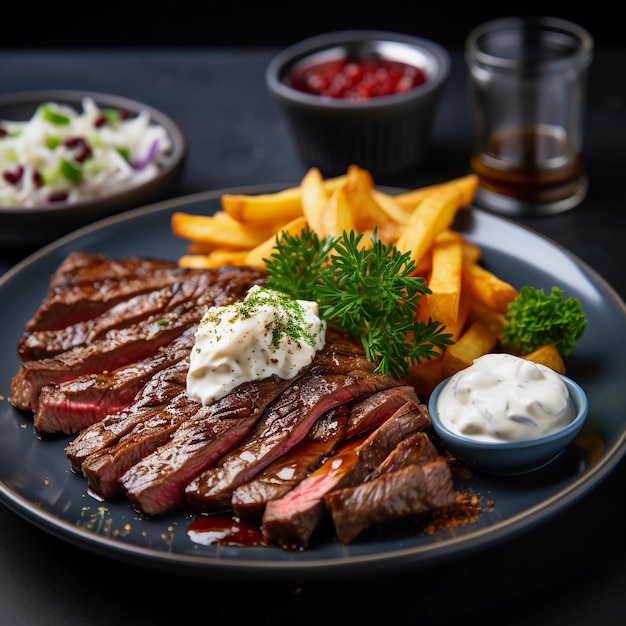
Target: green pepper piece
52,141
124,151
70,171
53,117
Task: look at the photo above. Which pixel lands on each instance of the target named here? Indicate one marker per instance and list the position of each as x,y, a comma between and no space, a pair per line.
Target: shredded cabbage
64,155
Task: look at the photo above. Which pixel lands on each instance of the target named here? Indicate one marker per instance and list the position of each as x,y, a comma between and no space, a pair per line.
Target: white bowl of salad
68,158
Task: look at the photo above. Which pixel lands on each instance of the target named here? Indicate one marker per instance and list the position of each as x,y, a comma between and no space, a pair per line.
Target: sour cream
267,333
502,397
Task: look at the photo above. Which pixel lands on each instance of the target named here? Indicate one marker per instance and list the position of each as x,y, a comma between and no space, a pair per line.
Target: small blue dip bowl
510,457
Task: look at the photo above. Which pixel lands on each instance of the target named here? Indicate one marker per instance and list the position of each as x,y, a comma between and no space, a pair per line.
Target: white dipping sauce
502,397
267,333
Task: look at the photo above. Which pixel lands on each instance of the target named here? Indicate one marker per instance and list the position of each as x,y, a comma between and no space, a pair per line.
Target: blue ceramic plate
36,482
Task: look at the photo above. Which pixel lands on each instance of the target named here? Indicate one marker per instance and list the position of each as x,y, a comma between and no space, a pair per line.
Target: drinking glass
527,84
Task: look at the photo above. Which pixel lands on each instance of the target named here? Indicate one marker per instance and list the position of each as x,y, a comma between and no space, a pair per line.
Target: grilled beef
103,468
283,426
46,343
410,490
106,356
73,405
157,483
164,386
249,500
121,346
86,285
290,521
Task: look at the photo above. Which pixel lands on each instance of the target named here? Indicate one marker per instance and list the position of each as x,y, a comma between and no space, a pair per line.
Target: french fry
390,205
445,279
278,207
366,212
488,317
488,288
314,197
465,186
220,230
476,341
549,356
435,213
336,215
264,250
216,258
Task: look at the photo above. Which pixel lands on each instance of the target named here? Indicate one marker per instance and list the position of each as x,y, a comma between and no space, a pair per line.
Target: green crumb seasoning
289,317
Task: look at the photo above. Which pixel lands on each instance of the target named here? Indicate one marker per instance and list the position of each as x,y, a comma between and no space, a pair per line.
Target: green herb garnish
368,292
537,319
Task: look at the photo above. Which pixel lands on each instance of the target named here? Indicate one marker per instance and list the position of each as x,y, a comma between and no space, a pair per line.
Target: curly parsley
535,319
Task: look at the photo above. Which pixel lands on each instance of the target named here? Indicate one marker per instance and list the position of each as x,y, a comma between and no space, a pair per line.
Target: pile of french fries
465,297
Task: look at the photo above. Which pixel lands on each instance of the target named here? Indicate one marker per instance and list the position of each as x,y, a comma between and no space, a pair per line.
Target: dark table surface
569,571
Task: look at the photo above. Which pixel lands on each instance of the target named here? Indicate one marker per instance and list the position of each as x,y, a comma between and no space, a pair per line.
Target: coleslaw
62,155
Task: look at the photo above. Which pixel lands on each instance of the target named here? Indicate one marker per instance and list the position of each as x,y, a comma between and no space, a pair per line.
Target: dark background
228,23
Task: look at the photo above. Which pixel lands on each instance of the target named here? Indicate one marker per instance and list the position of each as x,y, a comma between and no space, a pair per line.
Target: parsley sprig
535,319
366,291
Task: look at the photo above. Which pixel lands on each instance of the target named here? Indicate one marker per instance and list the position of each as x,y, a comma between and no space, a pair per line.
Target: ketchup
356,80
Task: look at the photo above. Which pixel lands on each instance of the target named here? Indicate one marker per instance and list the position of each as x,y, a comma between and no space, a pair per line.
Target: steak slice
416,449
121,348
46,343
290,521
73,405
103,468
249,500
81,301
370,412
162,388
410,490
283,426
81,267
156,484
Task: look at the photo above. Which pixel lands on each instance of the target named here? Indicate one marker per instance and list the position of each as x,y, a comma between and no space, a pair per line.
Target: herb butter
268,333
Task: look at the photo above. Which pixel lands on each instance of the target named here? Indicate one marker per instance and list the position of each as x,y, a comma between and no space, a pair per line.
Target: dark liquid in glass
534,165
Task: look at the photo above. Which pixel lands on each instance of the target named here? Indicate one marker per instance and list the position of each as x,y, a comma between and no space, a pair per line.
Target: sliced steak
103,468
156,484
290,521
416,449
111,281
249,500
283,426
81,268
46,343
81,290
162,389
73,405
117,350
373,410
407,491
127,345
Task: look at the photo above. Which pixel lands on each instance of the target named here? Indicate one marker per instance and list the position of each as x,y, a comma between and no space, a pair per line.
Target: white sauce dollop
502,397
267,333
